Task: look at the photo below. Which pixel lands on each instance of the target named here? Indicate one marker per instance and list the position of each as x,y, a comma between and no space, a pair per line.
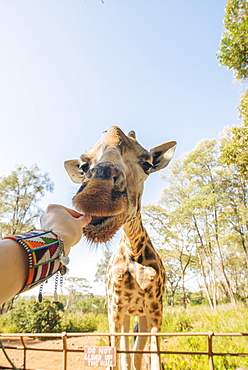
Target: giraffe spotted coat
111,175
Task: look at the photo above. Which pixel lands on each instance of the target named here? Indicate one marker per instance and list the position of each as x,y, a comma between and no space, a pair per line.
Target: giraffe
112,175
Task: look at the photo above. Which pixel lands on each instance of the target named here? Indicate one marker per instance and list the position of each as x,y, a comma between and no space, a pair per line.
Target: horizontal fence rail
65,350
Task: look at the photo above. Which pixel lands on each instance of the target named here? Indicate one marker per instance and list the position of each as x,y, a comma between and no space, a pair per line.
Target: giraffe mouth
96,220
102,228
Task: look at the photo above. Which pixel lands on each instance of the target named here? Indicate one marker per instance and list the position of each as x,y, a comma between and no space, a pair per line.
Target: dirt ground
49,360
41,360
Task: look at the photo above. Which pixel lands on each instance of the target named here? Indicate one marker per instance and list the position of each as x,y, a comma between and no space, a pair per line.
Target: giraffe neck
135,236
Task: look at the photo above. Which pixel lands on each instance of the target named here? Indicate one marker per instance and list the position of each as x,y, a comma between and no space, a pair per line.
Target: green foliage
233,51
203,234
32,316
234,143
80,322
35,317
201,319
88,314
197,298
78,289
243,108
100,275
176,320
91,304
5,324
77,286
76,322
20,193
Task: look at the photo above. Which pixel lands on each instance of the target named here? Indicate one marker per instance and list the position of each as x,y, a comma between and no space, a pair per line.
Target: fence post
24,352
210,350
64,338
158,350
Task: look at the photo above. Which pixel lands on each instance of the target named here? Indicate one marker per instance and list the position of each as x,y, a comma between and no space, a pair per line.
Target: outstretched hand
65,222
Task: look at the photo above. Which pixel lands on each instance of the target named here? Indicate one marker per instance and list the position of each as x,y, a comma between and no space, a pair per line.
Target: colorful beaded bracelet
46,255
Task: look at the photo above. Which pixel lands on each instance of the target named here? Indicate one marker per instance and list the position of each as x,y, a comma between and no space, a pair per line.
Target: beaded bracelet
46,255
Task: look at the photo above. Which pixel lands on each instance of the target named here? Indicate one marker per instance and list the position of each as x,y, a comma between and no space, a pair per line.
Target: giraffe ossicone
111,175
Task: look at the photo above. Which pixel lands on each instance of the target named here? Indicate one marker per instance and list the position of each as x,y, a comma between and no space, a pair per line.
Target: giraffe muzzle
100,198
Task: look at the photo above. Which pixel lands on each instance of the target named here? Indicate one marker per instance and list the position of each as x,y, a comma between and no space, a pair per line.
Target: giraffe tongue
97,220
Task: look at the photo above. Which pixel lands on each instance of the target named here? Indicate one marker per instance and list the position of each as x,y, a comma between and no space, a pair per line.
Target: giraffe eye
84,167
146,167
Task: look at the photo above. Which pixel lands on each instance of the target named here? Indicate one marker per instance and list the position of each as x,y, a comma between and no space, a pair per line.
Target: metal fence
25,348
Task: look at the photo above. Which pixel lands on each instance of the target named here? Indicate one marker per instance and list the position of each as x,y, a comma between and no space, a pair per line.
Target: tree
77,286
234,142
35,317
100,275
20,193
176,250
233,50
201,221
77,289
243,108
233,53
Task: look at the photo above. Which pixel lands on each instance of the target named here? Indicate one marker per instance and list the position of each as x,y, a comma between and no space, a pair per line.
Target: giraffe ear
161,155
72,168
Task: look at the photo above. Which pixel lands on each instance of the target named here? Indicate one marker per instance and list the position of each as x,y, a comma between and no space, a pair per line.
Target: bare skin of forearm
13,269
65,222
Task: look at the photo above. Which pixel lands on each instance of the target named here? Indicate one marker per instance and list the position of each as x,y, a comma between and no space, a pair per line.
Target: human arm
65,222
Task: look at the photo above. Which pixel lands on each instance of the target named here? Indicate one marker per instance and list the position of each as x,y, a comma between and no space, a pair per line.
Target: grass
80,322
194,319
201,319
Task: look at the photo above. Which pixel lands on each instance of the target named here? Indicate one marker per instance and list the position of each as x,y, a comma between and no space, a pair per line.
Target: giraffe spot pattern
135,276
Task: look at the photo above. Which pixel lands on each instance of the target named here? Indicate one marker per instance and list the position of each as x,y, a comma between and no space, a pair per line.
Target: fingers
72,212
85,219
56,210
65,222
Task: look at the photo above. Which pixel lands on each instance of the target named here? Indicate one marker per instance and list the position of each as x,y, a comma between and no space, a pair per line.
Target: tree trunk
222,267
212,301
205,282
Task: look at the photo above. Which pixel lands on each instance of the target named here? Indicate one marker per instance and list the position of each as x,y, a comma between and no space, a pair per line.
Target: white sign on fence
99,356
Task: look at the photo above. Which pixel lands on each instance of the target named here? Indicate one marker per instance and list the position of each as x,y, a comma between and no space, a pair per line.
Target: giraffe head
112,174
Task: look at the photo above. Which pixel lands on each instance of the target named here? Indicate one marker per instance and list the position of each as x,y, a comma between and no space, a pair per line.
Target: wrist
46,255
68,241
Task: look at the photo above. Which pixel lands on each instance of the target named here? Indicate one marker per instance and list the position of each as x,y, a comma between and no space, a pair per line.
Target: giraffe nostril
119,181
103,172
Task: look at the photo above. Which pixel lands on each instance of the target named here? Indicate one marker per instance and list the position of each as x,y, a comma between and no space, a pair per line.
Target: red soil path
40,360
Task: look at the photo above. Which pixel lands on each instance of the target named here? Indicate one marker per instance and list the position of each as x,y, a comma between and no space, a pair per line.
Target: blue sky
71,69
